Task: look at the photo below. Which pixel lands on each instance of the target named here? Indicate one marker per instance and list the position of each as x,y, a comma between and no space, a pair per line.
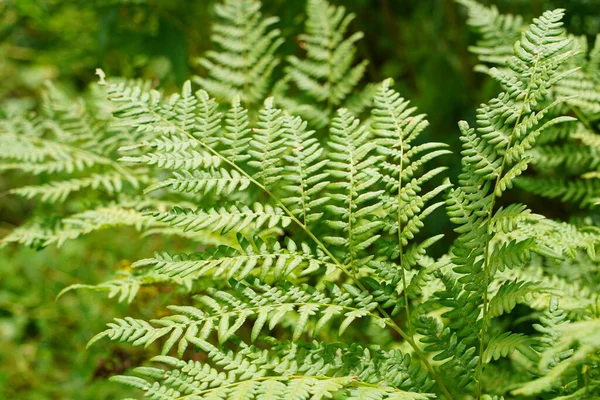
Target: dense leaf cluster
302,203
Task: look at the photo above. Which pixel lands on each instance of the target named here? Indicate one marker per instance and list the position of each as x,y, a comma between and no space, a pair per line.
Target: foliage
564,157
290,209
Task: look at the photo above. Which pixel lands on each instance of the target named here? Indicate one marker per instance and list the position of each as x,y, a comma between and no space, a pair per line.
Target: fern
262,169
71,145
507,127
268,258
498,33
585,333
561,144
303,267
246,377
328,74
245,64
127,286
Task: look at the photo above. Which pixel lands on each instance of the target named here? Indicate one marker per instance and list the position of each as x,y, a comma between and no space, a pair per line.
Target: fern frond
563,239
35,145
225,313
577,85
583,93
32,153
494,154
511,293
368,372
585,334
303,177
236,137
498,32
460,355
265,258
244,64
405,206
505,344
510,218
223,219
550,321
128,285
79,121
268,144
328,74
176,158
575,298
192,380
58,191
317,116
396,128
352,192
568,155
218,181
587,137
583,192
44,233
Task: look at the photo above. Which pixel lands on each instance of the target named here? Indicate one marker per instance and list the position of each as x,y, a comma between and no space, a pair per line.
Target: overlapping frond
453,341
244,62
289,370
58,149
584,192
45,231
576,299
561,367
578,88
354,198
225,312
498,33
258,258
583,85
494,154
304,176
328,73
127,286
505,344
405,202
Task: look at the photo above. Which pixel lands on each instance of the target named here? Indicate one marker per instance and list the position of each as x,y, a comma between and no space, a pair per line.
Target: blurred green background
422,44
